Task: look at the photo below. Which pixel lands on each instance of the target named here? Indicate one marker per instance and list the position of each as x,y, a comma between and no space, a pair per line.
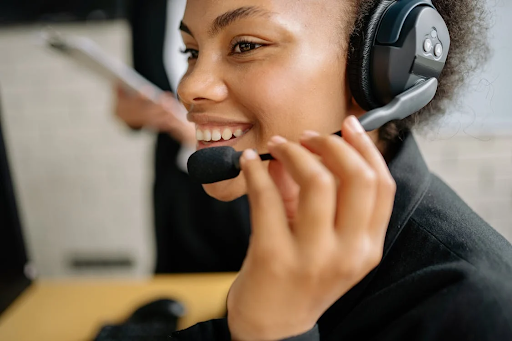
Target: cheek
286,98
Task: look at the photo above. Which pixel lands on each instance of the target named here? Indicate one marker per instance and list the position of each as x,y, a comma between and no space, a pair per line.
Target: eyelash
193,53
241,42
190,53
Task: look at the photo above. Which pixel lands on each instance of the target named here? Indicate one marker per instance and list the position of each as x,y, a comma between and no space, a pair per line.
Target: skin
293,82
298,265
319,212
138,111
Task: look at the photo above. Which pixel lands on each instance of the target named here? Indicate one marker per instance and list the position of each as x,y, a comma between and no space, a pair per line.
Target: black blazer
445,274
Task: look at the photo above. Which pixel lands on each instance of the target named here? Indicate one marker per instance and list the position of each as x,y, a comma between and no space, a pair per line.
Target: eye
192,53
244,46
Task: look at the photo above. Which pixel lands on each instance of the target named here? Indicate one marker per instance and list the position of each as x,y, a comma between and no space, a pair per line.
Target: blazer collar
412,178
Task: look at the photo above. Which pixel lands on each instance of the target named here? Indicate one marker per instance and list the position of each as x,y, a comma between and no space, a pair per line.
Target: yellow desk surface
74,310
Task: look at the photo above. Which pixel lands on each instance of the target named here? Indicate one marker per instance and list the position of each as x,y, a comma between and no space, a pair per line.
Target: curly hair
468,24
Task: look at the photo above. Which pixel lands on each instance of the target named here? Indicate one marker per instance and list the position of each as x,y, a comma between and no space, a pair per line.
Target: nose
202,83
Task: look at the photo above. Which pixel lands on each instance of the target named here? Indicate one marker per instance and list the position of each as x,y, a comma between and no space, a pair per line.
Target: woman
353,238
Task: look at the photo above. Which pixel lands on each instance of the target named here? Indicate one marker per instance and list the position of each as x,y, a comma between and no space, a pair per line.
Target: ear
352,107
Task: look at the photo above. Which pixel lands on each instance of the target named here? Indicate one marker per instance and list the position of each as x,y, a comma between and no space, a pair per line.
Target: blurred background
83,179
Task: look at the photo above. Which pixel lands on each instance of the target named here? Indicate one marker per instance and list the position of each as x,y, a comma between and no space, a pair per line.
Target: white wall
83,180
487,104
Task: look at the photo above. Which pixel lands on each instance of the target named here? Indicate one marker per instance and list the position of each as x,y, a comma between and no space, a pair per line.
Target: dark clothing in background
194,232
445,275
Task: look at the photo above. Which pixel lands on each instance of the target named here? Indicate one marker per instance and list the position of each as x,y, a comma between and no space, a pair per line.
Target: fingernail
309,134
275,140
355,124
250,154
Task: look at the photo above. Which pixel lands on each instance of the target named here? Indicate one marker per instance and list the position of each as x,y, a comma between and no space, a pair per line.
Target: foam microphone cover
211,165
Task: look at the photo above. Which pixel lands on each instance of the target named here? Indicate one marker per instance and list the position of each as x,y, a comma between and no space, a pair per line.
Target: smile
209,136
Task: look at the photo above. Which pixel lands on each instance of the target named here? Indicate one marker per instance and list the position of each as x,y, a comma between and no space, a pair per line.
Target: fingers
174,108
146,94
268,216
287,187
356,192
385,182
359,206
317,195
354,134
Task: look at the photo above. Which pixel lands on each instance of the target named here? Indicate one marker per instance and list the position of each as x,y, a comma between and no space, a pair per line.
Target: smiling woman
352,238
255,67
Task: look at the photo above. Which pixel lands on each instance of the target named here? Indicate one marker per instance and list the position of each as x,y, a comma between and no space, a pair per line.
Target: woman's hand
168,115
308,251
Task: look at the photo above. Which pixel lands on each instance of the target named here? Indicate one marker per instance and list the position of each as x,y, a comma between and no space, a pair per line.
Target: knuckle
330,142
369,176
376,256
366,178
373,253
356,170
389,184
322,179
365,256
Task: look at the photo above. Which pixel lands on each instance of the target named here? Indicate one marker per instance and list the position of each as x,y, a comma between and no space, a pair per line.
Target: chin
228,190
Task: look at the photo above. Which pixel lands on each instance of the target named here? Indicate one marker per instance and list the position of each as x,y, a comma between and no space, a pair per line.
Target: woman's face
260,68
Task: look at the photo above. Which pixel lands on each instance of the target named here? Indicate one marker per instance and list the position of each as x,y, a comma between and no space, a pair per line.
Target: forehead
287,12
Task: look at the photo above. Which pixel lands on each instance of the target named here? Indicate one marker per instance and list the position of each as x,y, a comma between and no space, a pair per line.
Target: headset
397,55
396,58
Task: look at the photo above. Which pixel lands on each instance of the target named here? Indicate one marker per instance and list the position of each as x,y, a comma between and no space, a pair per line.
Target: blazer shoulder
444,215
467,310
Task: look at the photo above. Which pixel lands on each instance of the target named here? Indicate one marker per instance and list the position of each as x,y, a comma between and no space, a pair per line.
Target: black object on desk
153,321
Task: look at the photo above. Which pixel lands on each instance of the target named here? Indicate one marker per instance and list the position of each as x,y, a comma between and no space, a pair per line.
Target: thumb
288,188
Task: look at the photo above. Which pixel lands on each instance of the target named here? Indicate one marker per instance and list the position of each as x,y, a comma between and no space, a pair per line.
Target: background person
194,232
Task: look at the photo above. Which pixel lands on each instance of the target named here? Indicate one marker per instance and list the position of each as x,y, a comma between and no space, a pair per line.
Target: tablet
87,53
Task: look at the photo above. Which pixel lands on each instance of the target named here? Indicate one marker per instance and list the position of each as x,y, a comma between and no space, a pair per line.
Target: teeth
238,133
199,135
216,136
226,134
207,136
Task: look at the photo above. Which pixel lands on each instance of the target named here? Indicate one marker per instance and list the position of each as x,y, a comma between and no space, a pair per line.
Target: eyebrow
226,19
185,29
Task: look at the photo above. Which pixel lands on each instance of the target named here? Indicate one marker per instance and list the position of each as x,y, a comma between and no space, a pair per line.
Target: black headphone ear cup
359,57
